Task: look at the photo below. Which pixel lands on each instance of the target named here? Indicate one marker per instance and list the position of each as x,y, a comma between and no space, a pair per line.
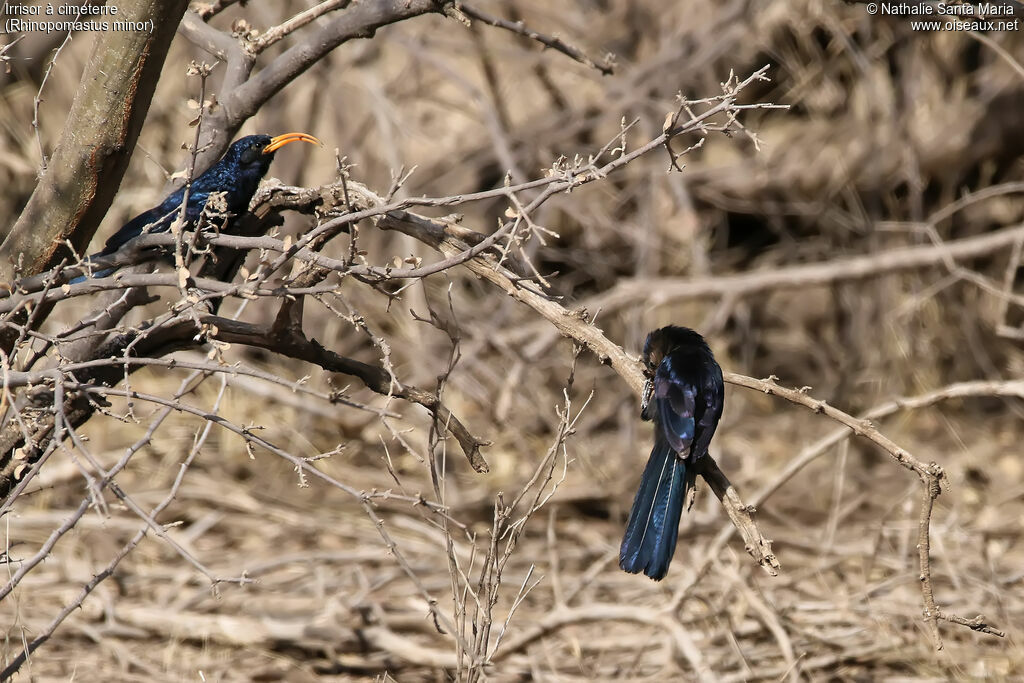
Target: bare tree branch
99,136
555,43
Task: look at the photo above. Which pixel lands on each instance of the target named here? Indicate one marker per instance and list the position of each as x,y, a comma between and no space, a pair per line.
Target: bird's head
239,172
253,153
664,341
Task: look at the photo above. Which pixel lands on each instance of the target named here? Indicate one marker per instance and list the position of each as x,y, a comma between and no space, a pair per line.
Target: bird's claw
645,399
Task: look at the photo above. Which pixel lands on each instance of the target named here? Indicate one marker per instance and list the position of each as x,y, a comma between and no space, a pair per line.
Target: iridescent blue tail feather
650,539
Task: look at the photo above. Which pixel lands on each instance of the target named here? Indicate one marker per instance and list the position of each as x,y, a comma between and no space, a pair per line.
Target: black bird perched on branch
684,397
237,175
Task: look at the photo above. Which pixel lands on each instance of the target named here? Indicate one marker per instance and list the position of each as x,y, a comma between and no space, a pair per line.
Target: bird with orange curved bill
236,175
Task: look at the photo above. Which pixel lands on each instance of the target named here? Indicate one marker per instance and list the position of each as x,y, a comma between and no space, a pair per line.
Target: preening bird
684,397
237,175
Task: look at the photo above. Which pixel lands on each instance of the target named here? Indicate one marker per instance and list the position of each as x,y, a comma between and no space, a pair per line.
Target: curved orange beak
280,141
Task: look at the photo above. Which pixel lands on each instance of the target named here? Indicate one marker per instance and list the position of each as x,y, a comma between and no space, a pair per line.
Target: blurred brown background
886,130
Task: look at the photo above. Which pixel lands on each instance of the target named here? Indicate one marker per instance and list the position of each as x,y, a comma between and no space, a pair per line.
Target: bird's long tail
653,526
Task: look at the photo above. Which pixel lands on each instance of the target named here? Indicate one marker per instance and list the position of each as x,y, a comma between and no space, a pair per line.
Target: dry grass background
885,128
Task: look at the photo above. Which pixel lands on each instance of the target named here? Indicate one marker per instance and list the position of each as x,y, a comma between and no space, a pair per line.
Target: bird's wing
159,217
709,408
676,398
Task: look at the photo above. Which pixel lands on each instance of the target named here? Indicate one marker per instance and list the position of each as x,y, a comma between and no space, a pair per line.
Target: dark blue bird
684,397
237,175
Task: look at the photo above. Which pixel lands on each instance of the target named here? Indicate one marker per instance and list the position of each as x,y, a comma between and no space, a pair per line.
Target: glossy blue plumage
237,175
686,404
